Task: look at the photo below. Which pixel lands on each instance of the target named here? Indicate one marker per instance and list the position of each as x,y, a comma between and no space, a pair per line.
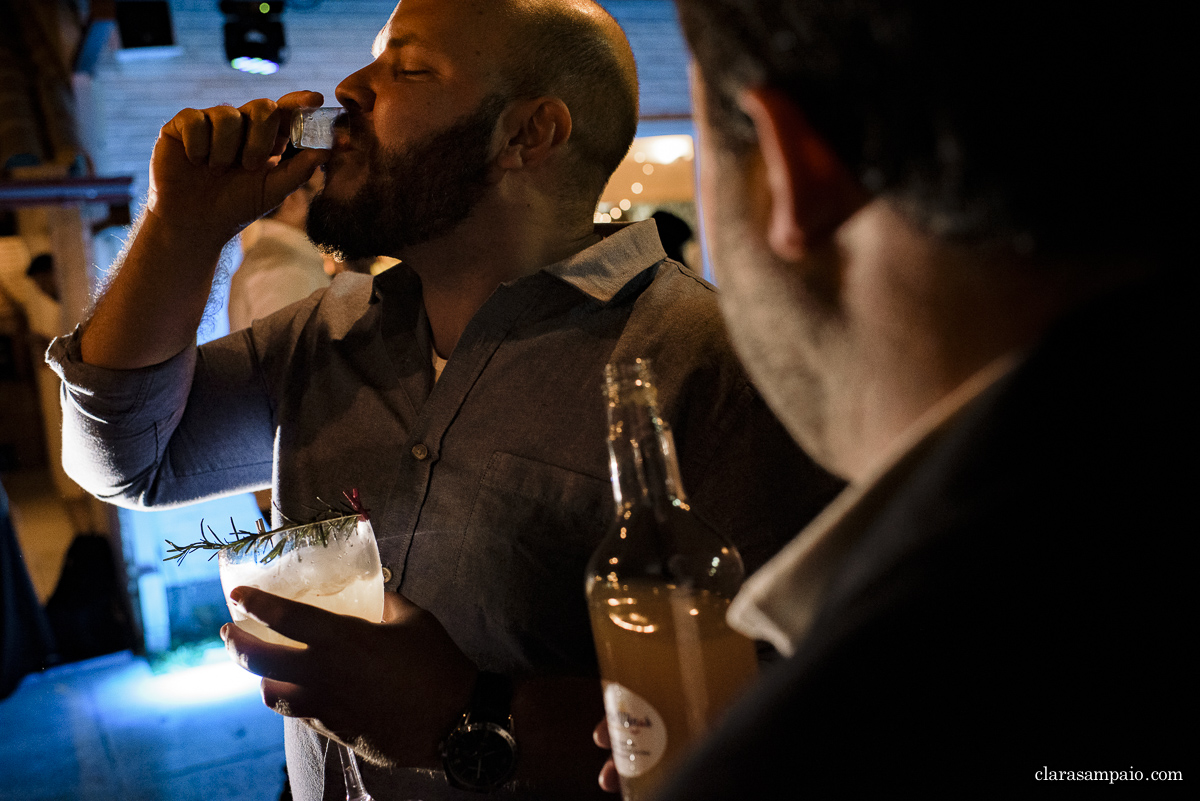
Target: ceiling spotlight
254,35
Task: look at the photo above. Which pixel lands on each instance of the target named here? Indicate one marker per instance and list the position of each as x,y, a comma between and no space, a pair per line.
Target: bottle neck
645,470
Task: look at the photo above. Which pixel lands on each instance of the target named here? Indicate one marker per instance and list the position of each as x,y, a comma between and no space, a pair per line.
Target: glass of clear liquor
313,127
331,564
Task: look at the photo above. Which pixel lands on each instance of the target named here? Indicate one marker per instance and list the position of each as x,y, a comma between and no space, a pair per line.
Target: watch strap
491,699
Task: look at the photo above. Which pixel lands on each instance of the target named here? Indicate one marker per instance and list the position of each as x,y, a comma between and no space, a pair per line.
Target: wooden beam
59,191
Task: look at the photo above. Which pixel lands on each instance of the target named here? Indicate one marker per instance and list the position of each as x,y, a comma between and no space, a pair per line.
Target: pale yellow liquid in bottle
672,648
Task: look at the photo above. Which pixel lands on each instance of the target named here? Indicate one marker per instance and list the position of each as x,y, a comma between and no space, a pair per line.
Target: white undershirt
439,364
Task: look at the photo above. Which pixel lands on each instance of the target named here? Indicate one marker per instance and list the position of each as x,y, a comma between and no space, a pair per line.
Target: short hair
585,60
1040,125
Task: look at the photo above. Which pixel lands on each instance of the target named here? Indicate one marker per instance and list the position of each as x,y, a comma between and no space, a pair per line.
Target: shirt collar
602,270
780,601
599,271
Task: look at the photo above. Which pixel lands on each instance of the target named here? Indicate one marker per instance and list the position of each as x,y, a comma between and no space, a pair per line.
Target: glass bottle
658,588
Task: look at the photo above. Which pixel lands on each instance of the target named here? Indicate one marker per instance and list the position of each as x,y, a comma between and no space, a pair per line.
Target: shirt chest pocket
532,528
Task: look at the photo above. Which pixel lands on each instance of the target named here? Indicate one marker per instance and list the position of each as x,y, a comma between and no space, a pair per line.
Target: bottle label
637,731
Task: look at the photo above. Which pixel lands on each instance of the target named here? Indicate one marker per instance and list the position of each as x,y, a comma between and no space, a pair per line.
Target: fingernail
224,633
236,595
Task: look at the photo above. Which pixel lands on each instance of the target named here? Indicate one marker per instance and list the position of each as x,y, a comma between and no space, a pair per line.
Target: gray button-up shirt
489,488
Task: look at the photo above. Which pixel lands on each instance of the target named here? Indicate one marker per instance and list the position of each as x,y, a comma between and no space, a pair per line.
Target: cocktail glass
332,564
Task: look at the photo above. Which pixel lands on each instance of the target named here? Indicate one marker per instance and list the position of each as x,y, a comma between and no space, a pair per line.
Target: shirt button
419,451
387,575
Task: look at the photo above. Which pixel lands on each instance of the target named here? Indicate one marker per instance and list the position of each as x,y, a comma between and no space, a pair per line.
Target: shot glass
313,127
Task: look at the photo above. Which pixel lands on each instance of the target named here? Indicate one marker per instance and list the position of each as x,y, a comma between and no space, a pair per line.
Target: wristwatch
480,753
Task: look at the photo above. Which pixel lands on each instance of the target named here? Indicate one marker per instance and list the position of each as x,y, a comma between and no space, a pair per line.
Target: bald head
571,50
574,50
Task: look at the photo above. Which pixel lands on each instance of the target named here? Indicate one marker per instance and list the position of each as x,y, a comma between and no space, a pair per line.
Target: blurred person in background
279,264
26,641
30,281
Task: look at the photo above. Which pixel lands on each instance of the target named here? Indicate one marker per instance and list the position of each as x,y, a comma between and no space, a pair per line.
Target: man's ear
811,191
533,129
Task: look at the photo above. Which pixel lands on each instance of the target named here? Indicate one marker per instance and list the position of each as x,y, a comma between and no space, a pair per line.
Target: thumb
288,176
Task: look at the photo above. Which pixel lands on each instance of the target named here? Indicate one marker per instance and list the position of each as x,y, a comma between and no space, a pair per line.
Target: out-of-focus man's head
901,192
429,117
1044,127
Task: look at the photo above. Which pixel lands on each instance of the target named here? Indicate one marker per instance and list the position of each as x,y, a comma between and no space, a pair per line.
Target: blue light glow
217,681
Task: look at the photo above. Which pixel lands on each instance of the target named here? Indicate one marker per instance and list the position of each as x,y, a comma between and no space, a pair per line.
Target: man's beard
411,197
781,325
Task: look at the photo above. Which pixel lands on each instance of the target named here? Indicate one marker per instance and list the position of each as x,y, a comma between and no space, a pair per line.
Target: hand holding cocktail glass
215,170
389,689
329,564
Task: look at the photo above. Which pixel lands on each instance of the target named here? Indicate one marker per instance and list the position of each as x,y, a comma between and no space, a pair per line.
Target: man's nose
354,92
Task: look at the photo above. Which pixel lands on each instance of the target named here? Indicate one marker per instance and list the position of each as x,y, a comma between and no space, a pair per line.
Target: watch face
479,756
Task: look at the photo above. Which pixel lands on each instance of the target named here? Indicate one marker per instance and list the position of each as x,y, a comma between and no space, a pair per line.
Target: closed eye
400,73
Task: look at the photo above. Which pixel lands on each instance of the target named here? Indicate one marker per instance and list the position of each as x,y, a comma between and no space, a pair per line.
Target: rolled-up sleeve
195,426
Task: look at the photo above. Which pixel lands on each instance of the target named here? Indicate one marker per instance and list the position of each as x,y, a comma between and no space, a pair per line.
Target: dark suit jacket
1020,603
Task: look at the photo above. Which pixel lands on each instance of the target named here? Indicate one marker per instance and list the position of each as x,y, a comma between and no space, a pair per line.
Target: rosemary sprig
239,542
